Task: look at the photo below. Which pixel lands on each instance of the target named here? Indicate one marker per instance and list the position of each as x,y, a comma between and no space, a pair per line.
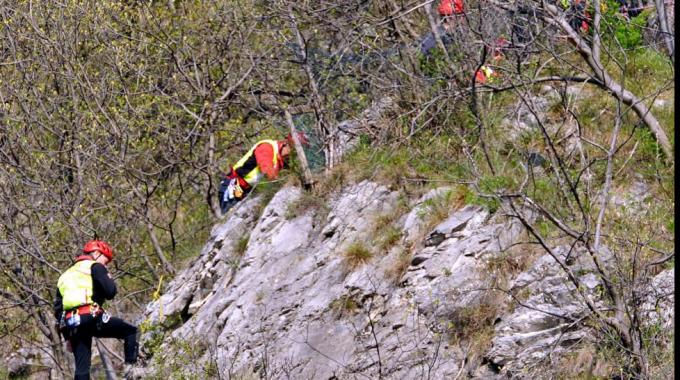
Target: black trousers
81,340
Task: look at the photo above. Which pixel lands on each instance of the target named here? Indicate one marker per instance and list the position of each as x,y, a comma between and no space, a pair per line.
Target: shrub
241,245
344,305
357,254
474,324
438,208
396,272
156,333
629,35
308,201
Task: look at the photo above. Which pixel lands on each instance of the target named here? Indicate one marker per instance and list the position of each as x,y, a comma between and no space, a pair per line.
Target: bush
474,324
344,305
629,34
306,202
396,272
241,245
621,31
357,254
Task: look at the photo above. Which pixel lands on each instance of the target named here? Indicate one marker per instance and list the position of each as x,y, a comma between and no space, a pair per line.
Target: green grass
345,305
308,201
357,254
241,245
385,233
400,265
438,208
426,158
389,238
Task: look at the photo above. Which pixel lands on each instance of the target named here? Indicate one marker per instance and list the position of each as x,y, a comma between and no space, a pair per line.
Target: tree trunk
668,36
306,173
212,203
322,126
159,251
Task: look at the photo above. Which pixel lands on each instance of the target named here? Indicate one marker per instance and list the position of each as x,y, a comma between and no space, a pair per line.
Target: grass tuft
357,254
345,305
241,245
438,208
400,266
474,325
306,202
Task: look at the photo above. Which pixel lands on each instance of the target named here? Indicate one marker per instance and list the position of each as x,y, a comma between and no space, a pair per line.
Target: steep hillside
489,190
320,296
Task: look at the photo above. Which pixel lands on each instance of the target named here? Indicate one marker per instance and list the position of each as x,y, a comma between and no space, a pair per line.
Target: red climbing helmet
301,136
98,245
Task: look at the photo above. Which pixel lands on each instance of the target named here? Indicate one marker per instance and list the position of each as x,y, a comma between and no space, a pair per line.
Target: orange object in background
485,74
480,77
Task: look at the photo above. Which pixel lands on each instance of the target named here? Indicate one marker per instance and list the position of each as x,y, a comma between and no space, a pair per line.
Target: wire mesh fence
314,150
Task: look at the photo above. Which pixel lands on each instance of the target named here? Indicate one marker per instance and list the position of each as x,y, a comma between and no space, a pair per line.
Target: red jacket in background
450,7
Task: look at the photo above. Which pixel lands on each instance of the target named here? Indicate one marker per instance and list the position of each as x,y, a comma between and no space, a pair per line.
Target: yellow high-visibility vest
75,285
254,176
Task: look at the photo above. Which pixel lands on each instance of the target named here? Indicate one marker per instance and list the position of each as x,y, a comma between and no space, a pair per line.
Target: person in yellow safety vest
78,307
265,158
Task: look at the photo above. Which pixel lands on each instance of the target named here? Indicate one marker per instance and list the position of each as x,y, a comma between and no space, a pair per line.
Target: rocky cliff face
280,296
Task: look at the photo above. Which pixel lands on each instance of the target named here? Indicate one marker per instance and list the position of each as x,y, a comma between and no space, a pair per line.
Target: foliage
626,33
308,201
345,305
156,335
400,265
241,245
357,254
117,118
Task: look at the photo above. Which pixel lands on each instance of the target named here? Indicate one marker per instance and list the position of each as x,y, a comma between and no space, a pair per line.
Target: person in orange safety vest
265,158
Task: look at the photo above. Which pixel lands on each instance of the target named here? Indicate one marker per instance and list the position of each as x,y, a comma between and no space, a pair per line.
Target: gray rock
575,91
30,363
292,306
660,301
542,324
456,223
661,103
297,304
631,200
